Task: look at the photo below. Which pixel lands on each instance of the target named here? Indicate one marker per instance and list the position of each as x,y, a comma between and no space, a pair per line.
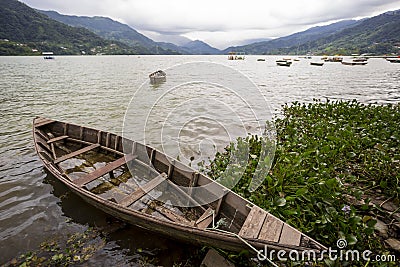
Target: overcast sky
220,23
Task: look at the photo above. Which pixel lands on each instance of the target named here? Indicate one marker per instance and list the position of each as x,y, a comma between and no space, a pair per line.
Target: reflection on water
96,91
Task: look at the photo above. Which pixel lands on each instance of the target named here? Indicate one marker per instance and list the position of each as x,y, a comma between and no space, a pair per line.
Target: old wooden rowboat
158,77
92,164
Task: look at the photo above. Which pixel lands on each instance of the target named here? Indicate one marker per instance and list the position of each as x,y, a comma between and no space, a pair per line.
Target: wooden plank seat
271,229
103,170
290,236
76,153
253,223
58,138
263,225
143,190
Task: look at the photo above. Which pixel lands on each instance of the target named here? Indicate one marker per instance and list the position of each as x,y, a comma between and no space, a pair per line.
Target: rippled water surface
96,91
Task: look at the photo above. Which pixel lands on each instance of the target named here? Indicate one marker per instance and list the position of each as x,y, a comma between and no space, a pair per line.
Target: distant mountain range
24,30
293,40
376,35
114,30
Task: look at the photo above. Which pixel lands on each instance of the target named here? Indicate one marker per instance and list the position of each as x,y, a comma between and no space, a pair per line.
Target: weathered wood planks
42,121
254,221
205,219
102,171
56,139
76,153
143,190
290,236
262,225
271,229
172,215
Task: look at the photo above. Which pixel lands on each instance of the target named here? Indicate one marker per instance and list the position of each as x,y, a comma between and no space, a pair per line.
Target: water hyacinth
346,209
328,153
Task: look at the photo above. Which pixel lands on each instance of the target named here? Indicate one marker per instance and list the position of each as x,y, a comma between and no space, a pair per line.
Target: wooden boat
334,59
317,63
48,55
236,55
158,77
354,63
393,60
284,63
360,59
94,165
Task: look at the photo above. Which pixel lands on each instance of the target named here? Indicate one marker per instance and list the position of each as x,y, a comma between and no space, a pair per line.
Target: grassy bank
336,166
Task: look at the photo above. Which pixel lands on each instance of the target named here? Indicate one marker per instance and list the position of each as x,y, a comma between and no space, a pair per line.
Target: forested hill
376,35
294,40
25,31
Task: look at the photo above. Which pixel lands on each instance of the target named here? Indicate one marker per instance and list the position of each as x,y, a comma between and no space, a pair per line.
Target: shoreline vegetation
335,175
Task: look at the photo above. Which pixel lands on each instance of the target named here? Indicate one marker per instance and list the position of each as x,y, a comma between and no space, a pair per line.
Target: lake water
96,91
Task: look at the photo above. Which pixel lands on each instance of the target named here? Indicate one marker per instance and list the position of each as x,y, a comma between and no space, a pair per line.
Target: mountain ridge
114,30
25,31
111,30
313,33
376,35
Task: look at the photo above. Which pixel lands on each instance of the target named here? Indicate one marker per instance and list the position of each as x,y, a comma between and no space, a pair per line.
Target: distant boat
334,59
284,63
260,59
360,59
354,63
48,55
236,55
317,63
157,77
393,60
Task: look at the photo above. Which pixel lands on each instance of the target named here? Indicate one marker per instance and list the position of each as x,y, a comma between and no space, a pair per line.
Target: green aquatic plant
326,154
78,248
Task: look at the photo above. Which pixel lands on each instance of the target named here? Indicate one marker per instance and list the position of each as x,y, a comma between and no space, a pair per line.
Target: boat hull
355,63
232,203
